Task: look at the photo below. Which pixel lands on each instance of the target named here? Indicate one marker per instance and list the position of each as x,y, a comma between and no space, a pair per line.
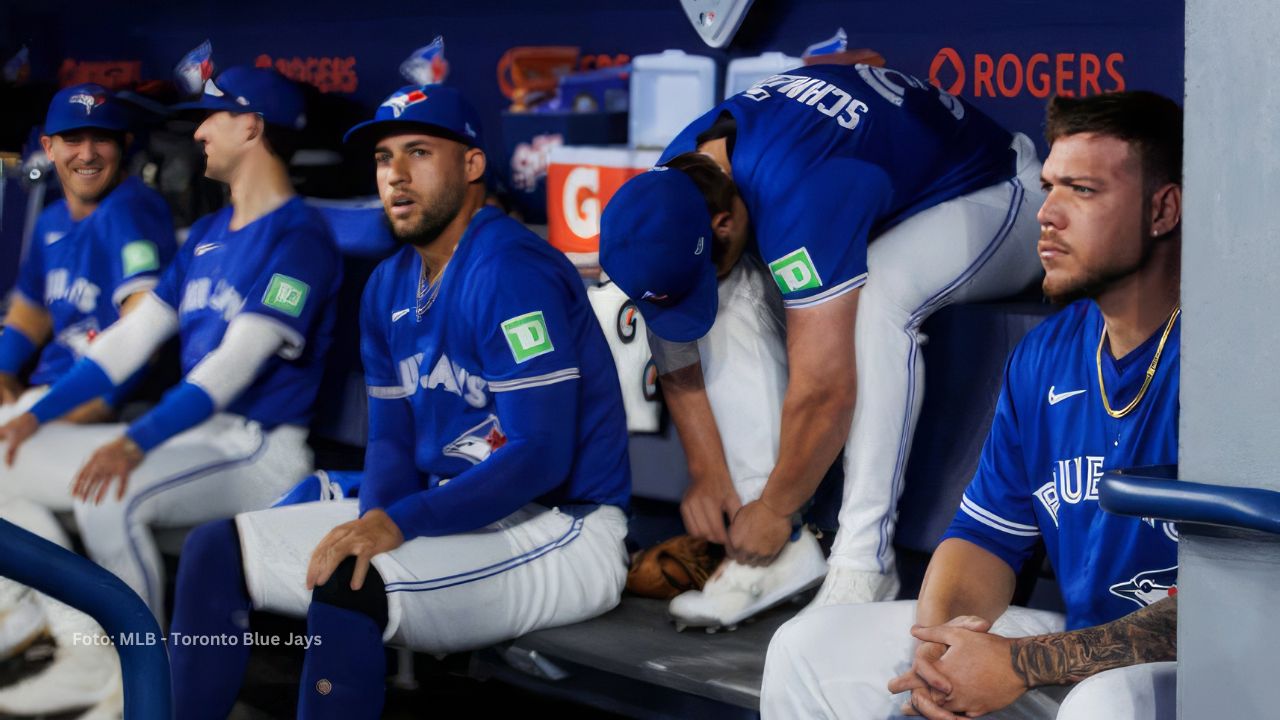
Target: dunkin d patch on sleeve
527,336
286,294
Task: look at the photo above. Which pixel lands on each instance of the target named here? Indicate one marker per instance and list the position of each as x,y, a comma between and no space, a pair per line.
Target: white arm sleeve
249,342
125,346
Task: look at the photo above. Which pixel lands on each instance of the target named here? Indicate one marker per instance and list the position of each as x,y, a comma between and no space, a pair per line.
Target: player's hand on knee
706,505
10,388
372,534
758,534
111,463
15,432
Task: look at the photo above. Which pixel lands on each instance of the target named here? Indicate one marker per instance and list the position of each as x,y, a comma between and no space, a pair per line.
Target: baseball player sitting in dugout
496,474
874,199
250,296
95,254
1094,388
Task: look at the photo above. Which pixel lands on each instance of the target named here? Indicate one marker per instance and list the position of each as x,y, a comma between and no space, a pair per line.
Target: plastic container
745,72
527,139
580,181
668,91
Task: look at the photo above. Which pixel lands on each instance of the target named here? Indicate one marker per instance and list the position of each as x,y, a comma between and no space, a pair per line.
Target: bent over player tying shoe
1092,389
496,472
251,297
870,199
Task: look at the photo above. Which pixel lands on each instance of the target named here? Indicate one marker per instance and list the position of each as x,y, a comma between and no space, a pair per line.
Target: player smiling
94,255
251,298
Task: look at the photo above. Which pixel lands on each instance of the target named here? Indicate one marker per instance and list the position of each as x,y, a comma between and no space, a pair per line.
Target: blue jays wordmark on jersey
511,314
81,271
827,157
283,266
1051,441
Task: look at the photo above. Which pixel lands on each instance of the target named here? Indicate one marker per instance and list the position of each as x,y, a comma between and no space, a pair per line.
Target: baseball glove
672,567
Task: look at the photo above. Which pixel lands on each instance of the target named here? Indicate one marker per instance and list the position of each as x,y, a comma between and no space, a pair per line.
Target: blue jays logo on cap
87,105
662,300
258,90
401,100
437,107
88,101
211,89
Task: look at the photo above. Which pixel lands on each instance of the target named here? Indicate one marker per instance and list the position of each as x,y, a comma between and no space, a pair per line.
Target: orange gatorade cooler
580,181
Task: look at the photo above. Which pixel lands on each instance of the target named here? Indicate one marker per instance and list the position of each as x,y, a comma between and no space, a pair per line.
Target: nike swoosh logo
53,237
1055,398
207,247
399,314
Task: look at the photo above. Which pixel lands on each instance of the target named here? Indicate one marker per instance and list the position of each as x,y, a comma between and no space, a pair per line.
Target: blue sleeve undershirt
540,425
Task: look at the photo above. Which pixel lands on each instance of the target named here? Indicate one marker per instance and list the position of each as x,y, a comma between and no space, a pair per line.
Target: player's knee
1148,690
791,639
370,599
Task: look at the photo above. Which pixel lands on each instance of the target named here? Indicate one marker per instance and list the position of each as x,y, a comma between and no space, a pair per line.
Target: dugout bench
631,661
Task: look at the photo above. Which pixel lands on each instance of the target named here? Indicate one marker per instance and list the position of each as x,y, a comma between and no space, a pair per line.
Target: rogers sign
1039,74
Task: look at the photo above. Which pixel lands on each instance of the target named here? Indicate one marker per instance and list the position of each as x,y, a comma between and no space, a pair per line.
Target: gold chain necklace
1151,369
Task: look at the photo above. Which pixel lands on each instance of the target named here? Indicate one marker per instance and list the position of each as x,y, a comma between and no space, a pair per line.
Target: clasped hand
959,670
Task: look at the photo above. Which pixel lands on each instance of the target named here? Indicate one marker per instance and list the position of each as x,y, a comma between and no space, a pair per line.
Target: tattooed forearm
1148,635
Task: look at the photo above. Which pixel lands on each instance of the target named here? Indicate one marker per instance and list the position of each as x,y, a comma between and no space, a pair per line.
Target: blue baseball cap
655,243
437,107
246,89
87,105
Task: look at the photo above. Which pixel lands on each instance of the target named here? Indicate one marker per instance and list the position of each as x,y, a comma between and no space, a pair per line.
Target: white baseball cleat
80,677
21,624
846,586
737,592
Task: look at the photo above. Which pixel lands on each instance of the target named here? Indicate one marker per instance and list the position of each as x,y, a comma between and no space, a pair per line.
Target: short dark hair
725,126
1149,122
281,141
715,184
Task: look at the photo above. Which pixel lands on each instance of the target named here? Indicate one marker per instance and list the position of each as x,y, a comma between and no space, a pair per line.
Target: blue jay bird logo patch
1147,588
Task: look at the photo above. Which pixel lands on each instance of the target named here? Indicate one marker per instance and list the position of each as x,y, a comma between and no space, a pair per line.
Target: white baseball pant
221,467
836,661
534,569
975,247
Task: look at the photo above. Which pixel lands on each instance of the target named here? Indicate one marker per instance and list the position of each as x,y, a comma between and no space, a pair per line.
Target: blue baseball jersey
1051,441
511,314
82,271
826,157
284,266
